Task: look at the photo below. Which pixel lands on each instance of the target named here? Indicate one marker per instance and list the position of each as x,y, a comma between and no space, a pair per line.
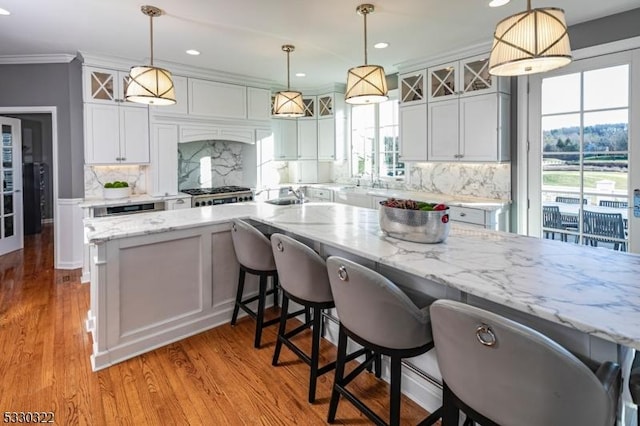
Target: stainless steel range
220,195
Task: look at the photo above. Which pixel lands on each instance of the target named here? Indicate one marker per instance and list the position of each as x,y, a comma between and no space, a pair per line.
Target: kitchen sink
285,201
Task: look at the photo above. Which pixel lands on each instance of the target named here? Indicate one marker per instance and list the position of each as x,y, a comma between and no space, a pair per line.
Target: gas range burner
220,195
216,190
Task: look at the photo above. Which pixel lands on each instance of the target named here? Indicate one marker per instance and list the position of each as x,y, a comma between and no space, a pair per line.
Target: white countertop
134,199
596,291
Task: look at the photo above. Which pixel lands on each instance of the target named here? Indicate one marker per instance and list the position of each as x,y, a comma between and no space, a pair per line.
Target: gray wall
58,85
605,30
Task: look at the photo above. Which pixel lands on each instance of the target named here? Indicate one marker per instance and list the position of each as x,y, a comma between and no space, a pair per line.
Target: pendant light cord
288,72
151,36
365,37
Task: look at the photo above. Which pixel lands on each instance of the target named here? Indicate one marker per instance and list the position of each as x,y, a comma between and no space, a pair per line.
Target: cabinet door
258,104
308,140
309,103
100,85
443,81
212,99
413,133
134,135
474,76
285,132
101,134
305,171
326,139
479,128
443,130
412,87
325,106
164,159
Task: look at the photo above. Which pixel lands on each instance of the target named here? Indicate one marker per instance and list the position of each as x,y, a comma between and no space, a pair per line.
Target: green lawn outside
572,178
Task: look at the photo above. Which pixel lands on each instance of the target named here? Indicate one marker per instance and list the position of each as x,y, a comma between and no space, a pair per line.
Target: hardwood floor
214,378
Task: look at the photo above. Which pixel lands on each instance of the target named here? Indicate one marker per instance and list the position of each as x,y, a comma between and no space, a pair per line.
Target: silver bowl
415,225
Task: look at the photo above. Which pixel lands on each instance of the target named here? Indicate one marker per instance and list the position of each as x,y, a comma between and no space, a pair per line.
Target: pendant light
366,83
530,42
288,103
148,84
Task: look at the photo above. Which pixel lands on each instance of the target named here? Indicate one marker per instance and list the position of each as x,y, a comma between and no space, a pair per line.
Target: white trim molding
69,246
59,58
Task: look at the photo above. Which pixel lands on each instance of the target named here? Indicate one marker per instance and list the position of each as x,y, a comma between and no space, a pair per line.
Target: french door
11,183
581,168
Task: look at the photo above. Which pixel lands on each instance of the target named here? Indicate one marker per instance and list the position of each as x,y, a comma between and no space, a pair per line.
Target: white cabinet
466,77
182,99
412,87
214,99
332,127
258,104
413,132
497,219
309,104
307,140
285,134
116,134
304,171
353,198
328,128
318,194
178,203
474,128
199,132
164,159
105,86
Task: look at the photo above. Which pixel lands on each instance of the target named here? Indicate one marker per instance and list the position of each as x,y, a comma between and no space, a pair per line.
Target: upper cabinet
258,104
466,77
309,103
325,105
213,99
182,105
412,87
106,86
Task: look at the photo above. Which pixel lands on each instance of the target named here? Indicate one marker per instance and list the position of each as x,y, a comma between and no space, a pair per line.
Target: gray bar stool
500,372
253,251
376,314
303,279
634,383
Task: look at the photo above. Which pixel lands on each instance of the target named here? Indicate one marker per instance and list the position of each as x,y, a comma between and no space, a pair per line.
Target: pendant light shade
148,84
530,42
288,103
366,83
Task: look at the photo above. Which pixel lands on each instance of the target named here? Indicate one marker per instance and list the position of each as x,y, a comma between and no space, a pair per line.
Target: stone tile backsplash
96,176
210,163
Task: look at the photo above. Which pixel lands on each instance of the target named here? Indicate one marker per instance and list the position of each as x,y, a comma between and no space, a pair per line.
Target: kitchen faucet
297,193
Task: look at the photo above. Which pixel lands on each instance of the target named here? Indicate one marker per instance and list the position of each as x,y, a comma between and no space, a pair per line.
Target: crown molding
448,56
61,58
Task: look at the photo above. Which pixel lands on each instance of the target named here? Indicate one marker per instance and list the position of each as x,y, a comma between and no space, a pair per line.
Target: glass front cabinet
412,87
466,77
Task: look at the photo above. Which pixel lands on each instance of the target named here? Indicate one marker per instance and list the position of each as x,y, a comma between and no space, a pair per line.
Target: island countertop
595,291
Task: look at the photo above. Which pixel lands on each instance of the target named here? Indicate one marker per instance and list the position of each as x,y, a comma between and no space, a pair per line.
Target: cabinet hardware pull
462,214
179,201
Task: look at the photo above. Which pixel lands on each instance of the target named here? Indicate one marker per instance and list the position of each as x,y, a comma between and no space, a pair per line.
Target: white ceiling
245,36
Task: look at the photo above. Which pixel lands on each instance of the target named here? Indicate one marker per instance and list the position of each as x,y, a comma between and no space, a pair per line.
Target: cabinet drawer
319,194
467,215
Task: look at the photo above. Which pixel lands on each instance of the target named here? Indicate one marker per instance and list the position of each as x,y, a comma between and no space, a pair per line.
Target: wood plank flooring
214,378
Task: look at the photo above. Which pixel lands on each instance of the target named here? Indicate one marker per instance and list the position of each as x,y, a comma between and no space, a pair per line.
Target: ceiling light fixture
288,103
301,74
4,12
381,45
530,42
149,84
498,3
366,83
192,52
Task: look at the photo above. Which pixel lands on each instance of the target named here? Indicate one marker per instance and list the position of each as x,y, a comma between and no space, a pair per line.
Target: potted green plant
116,189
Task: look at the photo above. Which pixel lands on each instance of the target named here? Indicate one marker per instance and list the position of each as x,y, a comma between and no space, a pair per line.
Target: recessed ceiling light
193,52
4,12
381,45
498,3
300,74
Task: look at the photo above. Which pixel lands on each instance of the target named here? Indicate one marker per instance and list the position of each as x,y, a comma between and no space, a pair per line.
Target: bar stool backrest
512,374
302,272
252,248
374,308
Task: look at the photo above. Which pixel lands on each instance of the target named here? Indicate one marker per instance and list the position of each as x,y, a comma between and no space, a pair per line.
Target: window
374,141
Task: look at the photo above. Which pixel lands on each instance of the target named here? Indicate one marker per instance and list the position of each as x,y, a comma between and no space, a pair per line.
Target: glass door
11,180
584,152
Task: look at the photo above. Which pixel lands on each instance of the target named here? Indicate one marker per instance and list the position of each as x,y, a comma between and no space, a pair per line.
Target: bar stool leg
315,352
260,314
282,329
236,308
276,288
450,413
340,362
396,374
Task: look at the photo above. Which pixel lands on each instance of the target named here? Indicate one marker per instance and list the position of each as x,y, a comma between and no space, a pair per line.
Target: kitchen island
159,277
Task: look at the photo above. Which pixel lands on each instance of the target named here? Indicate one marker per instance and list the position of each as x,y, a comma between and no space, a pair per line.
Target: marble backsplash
96,176
484,180
210,163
